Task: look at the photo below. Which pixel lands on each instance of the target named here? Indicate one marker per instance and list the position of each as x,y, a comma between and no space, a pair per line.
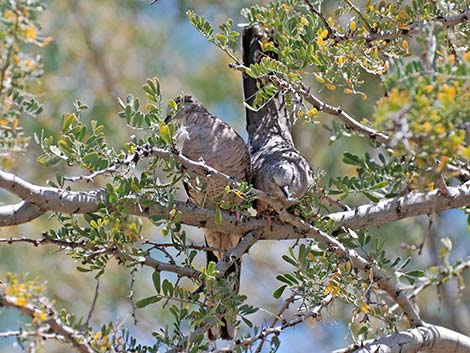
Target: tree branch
410,205
41,199
429,338
75,338
263,334
146,260
383,282
416,27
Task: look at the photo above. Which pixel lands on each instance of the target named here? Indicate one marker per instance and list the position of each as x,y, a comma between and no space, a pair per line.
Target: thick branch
411,205
427,338
20,213
56,200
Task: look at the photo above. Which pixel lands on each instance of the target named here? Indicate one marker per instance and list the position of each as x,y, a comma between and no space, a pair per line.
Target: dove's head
185,106
290,180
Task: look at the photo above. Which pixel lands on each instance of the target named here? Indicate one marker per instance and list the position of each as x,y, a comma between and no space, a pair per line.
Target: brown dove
277,166
217,144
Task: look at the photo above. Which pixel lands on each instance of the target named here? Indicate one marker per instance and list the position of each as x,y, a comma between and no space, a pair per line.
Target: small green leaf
417,273
147,301
156,281
218,215
278,292
363,330
380,185
371,196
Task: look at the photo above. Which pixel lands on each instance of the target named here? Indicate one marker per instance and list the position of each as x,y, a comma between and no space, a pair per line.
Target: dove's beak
287,194
285,191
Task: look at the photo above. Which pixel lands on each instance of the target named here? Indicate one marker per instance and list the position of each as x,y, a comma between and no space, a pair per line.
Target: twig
278,317
416,27
132,294
360,14
92,308
121,255
263,334
331,32
188,246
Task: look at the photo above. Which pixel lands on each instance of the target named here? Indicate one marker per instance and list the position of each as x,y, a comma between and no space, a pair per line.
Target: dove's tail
224,241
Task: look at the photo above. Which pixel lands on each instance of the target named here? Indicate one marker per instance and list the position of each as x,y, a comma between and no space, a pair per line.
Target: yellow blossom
404,45
29,64
365,308
427,127
330,86
428,88
340,60
313,112
440,129
304,21
30,33
451,59
10,16
39,316
353,25
320,40
447,95
21,301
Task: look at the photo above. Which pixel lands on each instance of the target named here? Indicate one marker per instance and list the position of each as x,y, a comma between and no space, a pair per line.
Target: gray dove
277,166
221,147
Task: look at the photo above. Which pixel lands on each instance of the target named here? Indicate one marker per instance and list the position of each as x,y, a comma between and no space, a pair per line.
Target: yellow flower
467,56
21,301
365,308
427,127
313,112
31,33
10,16
451,59
353,25
440,129
320,40
340,60
330,86
29,64
404,45
39,316
304,21
428,88
447,95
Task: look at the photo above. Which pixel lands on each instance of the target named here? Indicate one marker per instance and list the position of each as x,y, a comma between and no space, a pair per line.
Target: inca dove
277,166
219,146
